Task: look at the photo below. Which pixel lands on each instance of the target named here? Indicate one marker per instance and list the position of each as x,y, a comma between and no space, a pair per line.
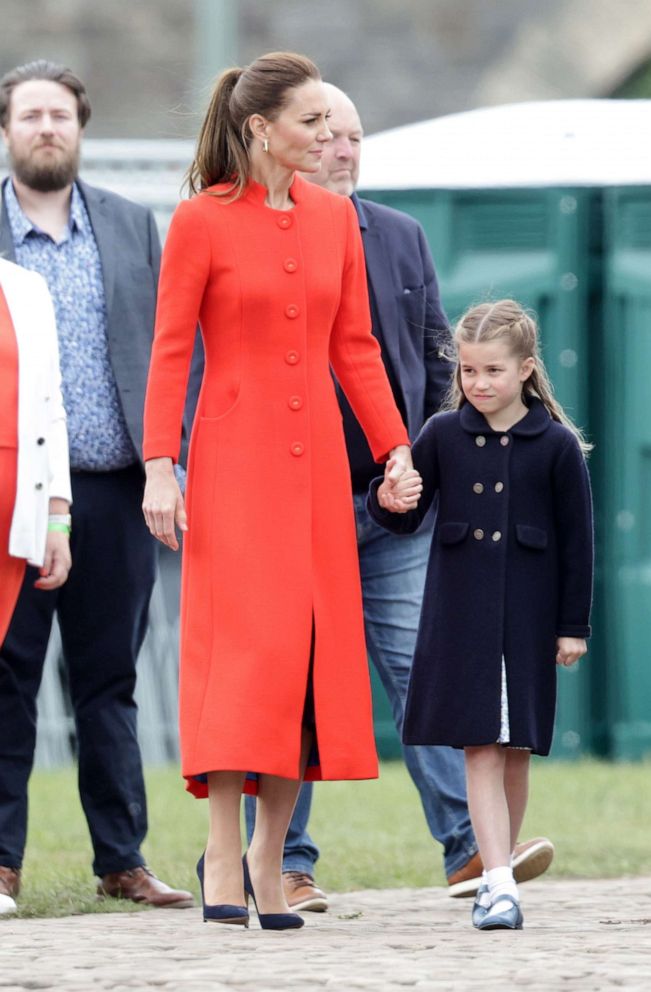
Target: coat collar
536,420
385,285
6,240
361,213
107,237
255,192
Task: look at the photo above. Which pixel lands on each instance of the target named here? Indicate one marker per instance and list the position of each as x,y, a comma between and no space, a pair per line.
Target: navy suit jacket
414,327
129,249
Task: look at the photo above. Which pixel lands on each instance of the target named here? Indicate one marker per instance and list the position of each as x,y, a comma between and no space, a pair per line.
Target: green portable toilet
511,200
626,466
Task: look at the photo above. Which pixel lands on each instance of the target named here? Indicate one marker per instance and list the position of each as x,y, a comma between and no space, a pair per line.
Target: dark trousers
102,612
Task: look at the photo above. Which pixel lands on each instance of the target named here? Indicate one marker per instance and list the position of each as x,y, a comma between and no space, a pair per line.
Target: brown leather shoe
9,889
301,892
141,885
467,879
530,859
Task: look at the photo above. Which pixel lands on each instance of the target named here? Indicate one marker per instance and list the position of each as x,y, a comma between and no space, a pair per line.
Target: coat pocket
453,533
531,537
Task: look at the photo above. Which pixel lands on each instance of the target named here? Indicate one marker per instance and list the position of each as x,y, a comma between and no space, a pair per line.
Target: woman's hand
403,495
163,504
398,463
57,562
569,650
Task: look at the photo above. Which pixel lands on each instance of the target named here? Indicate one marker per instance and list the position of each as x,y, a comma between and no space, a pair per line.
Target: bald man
412,329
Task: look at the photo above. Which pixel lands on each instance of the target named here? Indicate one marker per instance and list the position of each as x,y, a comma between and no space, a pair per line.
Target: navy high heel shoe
223,912
270,921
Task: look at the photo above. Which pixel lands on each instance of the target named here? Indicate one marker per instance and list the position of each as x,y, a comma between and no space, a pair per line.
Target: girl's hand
57,562
403,495
569,650
163,504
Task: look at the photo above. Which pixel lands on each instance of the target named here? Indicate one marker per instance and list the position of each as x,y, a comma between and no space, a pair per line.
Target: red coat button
292,358
297,449
284,221
290,265
295,402
292,311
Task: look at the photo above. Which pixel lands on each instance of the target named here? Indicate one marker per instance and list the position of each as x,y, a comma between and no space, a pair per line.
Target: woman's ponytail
221,155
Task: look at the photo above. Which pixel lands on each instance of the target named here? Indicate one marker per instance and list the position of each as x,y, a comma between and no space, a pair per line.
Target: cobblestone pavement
579,935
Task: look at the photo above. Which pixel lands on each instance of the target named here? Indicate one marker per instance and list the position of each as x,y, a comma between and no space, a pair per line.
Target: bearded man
100,256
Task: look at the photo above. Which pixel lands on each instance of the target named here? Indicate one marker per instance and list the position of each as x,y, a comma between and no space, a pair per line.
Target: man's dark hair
42,69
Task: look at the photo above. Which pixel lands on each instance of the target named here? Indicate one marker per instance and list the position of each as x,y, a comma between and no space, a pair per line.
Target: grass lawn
371,834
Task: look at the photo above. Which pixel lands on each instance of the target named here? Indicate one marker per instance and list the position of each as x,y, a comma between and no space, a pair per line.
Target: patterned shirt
72,268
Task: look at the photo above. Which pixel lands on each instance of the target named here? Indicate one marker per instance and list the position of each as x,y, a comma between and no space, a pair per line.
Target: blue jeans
393,575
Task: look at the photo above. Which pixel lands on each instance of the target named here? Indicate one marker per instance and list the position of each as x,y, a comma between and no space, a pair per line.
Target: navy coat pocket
531,537
453,533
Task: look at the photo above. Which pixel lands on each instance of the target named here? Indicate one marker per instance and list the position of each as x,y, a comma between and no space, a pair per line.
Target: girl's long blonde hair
506,320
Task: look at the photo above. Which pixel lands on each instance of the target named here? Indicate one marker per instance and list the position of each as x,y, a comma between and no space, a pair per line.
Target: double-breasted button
290,265
297,448
504,440
284,221
295,402
499,486
39,485
292,357
496,535
480,440
292,311
40,440
478,534
478,487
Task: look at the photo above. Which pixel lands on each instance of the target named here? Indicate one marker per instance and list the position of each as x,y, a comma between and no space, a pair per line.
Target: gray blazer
129,249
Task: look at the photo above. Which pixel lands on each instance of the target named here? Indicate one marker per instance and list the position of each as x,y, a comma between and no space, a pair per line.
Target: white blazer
43,469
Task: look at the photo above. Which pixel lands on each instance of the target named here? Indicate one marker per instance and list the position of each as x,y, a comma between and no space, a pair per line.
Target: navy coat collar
384,284
361,213
535,421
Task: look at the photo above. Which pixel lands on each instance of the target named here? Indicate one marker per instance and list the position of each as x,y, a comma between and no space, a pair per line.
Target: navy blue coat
510,570
414,327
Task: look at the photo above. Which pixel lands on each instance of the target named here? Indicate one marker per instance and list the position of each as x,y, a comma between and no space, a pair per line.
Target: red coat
280,295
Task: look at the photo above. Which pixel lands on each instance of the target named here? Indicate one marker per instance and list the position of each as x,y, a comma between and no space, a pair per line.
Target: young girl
509,579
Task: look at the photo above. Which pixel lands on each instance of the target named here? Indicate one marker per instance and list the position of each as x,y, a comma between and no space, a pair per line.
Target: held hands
402,485
569,650
163,504
57,562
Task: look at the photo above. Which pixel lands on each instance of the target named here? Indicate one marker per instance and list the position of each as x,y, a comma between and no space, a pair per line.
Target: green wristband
63,528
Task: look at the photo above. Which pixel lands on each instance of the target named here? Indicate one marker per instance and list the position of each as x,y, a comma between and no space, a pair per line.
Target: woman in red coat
273,661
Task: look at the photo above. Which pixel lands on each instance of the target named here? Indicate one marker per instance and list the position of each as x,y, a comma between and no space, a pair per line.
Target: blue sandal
481,905
508,919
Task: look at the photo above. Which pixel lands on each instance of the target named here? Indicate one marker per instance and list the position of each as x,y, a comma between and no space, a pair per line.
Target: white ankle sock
501,883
